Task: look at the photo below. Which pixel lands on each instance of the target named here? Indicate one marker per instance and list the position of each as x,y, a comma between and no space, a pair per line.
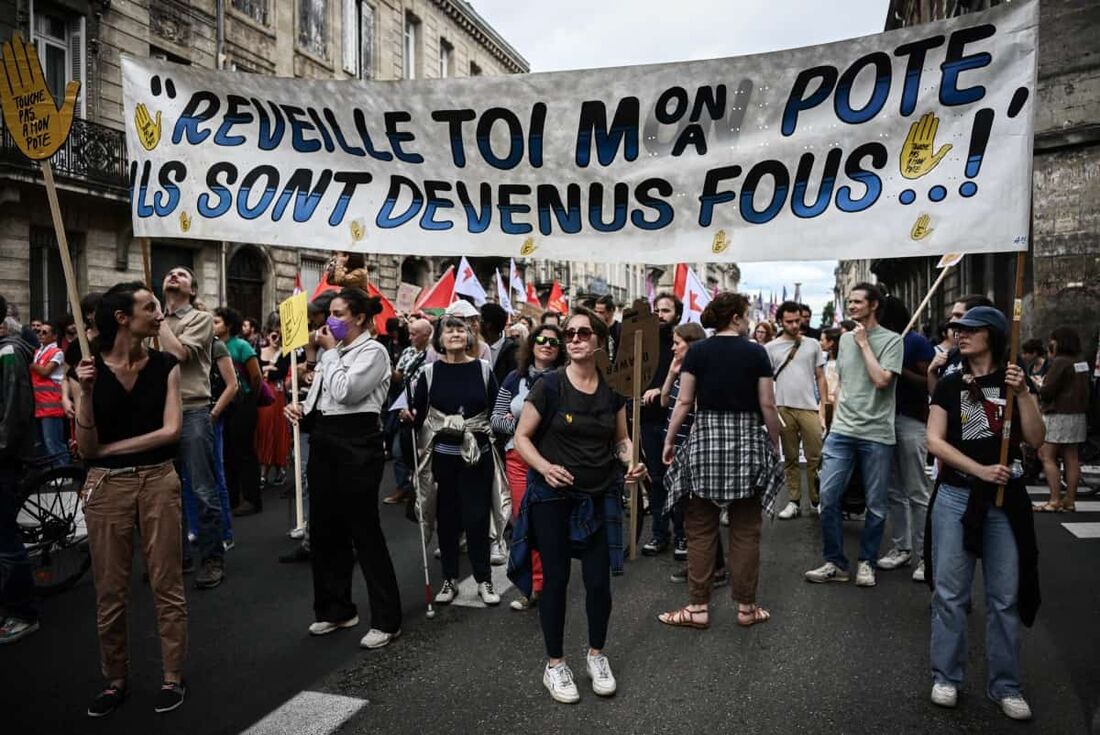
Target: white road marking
467,588
1038,490
1083,530
1087,506
308,713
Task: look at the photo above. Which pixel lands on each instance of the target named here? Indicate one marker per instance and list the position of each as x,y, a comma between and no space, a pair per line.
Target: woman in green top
242,469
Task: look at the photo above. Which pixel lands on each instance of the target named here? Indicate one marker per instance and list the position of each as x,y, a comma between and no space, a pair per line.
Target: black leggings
550,523
465,502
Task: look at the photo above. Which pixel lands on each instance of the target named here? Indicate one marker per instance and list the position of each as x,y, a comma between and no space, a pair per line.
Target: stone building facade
1062,280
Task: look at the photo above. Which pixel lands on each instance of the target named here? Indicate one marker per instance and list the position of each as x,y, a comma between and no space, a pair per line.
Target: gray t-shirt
863,411
796,385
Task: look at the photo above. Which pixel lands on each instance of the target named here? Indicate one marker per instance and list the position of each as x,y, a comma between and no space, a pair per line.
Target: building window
366,40
311,269
246,280
358,38
475,70
412,40
257,10
47,280
313,27
59,39
446,59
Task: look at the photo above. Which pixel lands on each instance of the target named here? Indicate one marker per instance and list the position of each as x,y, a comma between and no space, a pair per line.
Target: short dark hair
526,356
873,294
789,306
894,314
677,304
806,308
323,301
599,327
833,335
723,308
231,318
1068,341
971,300
119,297
689,332
494,315
89,303
1032,347
549,313
449,320
607,301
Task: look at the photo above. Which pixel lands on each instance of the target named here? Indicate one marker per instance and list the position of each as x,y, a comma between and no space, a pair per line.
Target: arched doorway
245,281
416,271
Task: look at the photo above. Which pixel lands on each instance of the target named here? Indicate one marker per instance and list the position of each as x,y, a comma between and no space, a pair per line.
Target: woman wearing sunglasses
572,434
544,352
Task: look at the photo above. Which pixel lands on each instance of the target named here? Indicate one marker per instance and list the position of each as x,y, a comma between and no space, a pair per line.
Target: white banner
912,142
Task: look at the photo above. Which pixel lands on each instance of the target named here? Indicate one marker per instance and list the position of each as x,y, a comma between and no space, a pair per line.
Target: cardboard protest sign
898,144
406,297
294,322
620,374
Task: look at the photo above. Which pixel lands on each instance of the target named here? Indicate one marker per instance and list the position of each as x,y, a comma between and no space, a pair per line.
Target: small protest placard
620,374
407,294
294,322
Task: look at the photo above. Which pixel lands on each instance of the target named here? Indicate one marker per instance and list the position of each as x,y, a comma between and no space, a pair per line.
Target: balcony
93,155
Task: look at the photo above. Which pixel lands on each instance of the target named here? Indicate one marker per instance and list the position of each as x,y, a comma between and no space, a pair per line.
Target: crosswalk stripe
1083,530
467,588
308,713
1087,506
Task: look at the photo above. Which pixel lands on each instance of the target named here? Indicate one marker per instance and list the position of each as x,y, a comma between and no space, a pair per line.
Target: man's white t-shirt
796,386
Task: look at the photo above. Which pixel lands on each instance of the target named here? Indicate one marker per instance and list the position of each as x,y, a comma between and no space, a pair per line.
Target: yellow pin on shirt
568,418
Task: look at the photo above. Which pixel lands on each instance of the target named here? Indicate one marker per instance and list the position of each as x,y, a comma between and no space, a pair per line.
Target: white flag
515,281
502,295
695,298
466,283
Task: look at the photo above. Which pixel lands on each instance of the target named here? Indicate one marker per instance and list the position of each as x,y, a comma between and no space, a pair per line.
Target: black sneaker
680,549
170,696
107,701
211,575
188,565
300,554
654,547
679,577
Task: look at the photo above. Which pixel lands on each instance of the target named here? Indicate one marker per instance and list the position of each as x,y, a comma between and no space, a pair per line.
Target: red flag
532,296
323,286
297,284
556,301
388,312
679,283
441,294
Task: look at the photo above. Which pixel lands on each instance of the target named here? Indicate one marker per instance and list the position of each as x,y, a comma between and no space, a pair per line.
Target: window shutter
77,60
351,41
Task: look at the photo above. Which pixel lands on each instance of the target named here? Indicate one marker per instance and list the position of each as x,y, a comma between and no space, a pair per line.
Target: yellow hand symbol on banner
917,157
922,228
148,130
721,243
528,247
358,230
30,113
185,221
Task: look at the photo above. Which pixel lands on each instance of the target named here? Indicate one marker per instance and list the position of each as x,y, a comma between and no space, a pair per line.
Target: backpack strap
552,386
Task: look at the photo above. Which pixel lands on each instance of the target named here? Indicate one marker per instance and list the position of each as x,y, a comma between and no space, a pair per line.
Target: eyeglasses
542,339
584,333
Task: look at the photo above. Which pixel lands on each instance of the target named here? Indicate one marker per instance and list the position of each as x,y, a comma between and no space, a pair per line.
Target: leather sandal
752,616
1048,507
685,618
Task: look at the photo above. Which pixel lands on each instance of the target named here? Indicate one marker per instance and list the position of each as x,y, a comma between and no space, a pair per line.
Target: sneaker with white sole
487,594
558,680
378,638
1015,707
523,604
324,627
918,573
680,549
790,511
827,572
865,575
447,592
15,628
498,554
599,670
894,559
298,533
944,695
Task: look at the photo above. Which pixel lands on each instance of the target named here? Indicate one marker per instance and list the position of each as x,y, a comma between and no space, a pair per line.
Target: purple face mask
338,327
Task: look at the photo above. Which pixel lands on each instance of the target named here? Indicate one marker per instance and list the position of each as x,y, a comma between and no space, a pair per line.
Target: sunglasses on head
584,333
543,339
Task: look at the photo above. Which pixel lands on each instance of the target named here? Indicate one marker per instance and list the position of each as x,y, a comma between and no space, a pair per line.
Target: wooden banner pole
635,441
927,298
146,262
1014,350
297,434
66,259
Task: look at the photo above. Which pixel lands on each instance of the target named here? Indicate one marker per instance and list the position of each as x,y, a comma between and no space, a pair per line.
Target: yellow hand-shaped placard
917,156
30,114
185,221
528,248
294,322
148,129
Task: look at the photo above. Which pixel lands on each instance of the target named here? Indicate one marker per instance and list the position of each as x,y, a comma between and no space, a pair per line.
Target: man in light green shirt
869,362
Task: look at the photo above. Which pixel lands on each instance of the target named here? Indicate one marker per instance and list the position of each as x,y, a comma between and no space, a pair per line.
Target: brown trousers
801,426
116,501
701,525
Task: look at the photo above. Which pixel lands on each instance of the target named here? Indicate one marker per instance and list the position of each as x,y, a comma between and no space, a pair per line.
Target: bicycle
51,525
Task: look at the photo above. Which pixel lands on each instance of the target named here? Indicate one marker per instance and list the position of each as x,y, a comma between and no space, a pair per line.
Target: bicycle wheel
51,524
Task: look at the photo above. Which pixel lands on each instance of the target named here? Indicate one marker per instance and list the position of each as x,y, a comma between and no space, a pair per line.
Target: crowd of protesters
509,444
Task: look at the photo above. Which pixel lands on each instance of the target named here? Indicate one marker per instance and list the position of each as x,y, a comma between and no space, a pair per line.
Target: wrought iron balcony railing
93,154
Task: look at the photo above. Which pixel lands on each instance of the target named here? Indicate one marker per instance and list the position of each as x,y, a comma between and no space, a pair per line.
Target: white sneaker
918,573
865,575
447,592
944,695
437,553
324,627
487,595
559,681
523,604
377,638
827,572
789,512
298,533
894,559
1016,708
724,517
498,554
599,669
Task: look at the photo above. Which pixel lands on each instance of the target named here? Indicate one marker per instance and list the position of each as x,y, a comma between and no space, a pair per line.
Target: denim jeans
953,573
191,505
16,585
838,458
51,431
196,462
910,486
402,476
653,443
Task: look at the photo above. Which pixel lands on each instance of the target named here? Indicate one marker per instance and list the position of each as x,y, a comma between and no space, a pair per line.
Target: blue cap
982,317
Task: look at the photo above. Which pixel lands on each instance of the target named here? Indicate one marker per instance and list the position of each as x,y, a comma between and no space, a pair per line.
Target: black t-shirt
121,414
581,433
727,371
974,427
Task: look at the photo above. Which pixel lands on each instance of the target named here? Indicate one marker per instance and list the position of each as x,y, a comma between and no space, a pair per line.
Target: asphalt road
833,659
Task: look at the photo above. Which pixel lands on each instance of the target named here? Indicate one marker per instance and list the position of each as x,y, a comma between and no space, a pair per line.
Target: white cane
420,522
